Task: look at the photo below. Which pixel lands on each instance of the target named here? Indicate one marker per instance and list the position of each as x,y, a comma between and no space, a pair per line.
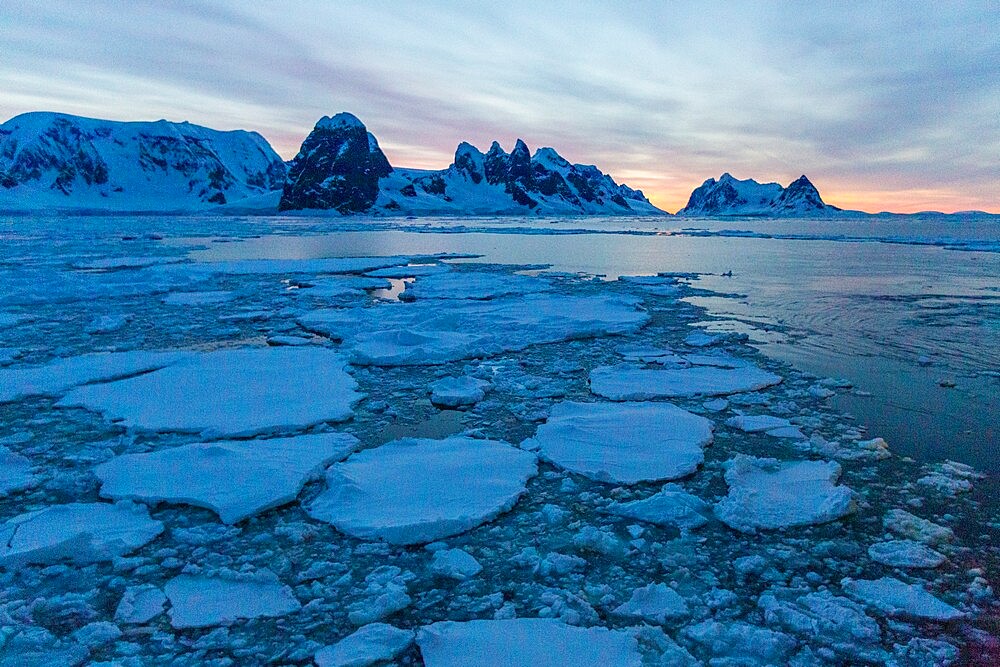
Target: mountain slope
50,160
730,196
340,167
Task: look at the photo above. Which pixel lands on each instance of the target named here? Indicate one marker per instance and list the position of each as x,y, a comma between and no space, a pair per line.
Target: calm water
895,319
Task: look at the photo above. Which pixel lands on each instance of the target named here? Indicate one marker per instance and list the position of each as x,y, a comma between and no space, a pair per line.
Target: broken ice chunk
672,506
198,601
371,644
628,383
455,563
895,598
905,553
655,603
453,392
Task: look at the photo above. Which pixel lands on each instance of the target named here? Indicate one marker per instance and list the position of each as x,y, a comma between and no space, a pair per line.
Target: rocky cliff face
730,196
50,160
341,168
338,167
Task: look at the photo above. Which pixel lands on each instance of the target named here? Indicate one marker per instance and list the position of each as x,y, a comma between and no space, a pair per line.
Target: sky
884,105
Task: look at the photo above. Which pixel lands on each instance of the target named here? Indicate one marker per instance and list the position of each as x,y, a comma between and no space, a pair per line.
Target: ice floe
78,532
369,645
769,494
198,298
623,442
140,604
410,271
198,601
896,598
450,486
737,643
455,564
473,285
453,392
60,375
235,480
905,553
525,641
655,603
230,392
913,527
15,472
630,383
671,506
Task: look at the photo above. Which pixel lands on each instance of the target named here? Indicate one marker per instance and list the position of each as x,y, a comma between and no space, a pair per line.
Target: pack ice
449,486
230,392
525,641
623,442
625,382
79,532
15,472
473,285
198,601
768,494
235,480
896,598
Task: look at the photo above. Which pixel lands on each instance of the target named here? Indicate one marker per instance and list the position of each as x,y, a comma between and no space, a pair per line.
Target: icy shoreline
658,566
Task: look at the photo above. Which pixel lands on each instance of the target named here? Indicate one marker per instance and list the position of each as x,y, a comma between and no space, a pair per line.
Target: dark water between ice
897,319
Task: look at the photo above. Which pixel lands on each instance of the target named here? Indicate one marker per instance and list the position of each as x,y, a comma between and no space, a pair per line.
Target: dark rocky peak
338,167
801,194
519,169
550,159
469,162
496,164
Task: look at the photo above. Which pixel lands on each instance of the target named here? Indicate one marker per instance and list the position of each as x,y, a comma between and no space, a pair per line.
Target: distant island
62,163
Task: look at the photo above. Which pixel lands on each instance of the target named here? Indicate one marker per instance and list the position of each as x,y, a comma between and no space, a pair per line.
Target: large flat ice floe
230,392
769,494
434,331
60,375
625,382
623,442
896,598
198,601
235,480
78,532
525,641
415,490
473,285
372,644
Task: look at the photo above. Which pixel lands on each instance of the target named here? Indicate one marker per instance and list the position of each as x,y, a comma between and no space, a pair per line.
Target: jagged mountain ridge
53,160
341,167
731,196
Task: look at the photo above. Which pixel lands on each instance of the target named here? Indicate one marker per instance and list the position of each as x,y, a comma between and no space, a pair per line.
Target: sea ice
769,494
371,644
140,604
453,392
79,532
410,271
913,527
655,603
736,643
895,598
114,263
630,383
198,298
473,285
831,620
757,423
905,553
235,480
525,641
672,506
623,442
198,601
61,375
328,265
449,486
15,472
455,563
230,392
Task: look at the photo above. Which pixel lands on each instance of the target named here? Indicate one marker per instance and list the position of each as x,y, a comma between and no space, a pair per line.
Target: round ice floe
233,479
230,392
525,641
769,494
623,442
203,601
629,383
80,532
415,490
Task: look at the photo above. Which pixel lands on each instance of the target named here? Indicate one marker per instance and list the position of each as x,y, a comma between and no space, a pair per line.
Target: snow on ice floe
525,641
15,472
912,527
671,506
79,532
60,375
199,601
738,643
230,392
626,382
372,644
473,285
905,553
235,480
437,331
450,486
623,442
140,604
655,603
769,494
454,392
455,564
896,598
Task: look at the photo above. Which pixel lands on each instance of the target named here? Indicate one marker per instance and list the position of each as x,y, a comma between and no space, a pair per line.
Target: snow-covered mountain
341,167
52,160
730,196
